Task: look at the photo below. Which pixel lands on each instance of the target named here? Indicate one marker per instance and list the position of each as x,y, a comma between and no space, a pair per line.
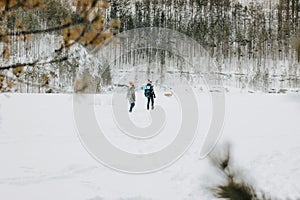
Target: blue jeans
131,106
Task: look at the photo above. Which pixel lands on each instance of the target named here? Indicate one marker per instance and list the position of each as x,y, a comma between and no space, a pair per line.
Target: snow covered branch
32,64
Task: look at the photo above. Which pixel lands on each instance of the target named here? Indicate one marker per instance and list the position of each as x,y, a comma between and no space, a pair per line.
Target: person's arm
133,96
133,93
154,96
128,93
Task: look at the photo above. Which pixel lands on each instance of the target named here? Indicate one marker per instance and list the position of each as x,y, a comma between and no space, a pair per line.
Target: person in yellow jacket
131,96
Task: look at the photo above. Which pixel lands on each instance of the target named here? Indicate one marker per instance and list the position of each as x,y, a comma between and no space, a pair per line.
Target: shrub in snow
234,187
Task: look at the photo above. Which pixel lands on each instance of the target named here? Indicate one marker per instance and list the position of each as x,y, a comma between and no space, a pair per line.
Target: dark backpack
148,91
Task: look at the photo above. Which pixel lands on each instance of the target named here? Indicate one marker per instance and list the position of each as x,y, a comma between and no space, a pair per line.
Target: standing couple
148,92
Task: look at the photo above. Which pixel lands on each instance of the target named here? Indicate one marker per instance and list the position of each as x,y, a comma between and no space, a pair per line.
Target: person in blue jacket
150,94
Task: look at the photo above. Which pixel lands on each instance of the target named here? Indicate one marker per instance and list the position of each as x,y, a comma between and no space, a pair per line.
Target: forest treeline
259,39
225,27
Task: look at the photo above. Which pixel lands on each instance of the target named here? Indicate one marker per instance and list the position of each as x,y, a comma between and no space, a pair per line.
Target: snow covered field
42,157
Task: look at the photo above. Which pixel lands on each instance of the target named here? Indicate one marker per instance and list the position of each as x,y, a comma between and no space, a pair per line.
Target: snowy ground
42,157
